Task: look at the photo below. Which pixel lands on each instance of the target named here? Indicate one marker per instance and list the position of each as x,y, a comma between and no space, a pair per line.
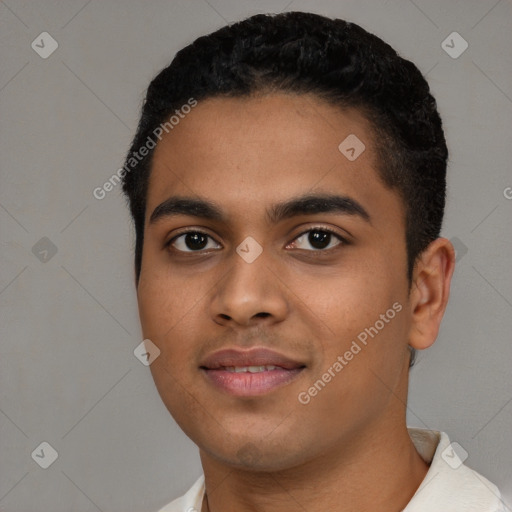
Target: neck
377,470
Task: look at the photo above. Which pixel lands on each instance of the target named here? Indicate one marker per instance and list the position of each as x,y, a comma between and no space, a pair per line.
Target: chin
253,455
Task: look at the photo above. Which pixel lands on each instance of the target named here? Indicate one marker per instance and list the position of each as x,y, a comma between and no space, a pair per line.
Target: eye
193,241
317,239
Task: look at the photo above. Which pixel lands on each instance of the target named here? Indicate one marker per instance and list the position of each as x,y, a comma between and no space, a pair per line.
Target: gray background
69,321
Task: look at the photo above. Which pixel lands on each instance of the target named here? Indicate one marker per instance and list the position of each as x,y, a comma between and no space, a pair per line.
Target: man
287,185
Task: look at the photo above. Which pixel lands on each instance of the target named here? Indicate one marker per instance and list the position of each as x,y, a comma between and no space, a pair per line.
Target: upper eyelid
320,228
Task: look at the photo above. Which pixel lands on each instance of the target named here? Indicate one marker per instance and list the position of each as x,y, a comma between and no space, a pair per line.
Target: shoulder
449,484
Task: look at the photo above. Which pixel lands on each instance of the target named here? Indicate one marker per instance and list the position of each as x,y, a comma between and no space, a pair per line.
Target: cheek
162,299
179,394
167,319
350,298
367,320
169,308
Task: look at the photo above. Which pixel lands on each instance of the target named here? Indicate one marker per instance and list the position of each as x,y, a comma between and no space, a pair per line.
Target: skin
348,449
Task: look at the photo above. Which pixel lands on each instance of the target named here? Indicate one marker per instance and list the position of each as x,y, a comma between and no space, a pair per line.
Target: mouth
251,369
246,373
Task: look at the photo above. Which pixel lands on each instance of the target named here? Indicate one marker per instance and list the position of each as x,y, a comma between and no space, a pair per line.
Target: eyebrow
312,203
309,204
186,206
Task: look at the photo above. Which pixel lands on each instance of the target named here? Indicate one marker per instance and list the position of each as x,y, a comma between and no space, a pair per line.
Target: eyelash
323,229
342,240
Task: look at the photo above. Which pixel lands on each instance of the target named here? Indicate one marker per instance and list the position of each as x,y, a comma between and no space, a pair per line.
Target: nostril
262,315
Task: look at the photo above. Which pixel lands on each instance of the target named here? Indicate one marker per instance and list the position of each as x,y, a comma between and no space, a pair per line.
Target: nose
248,294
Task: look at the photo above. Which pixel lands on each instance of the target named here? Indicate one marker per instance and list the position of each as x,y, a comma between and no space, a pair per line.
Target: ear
430,290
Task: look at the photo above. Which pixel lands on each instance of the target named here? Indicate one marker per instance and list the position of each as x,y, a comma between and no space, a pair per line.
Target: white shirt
448,486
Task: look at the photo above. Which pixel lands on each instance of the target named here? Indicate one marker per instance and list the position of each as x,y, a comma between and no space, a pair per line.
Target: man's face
329,273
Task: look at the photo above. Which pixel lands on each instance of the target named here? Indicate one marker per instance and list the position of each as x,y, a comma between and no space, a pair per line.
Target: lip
218,369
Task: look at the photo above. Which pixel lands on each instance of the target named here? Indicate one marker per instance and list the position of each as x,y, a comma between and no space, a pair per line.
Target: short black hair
335,60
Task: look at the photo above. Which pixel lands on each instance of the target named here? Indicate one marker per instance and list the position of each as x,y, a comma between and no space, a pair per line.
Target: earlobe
430,292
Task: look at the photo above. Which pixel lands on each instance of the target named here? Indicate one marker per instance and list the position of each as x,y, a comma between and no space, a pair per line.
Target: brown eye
317,239
194,241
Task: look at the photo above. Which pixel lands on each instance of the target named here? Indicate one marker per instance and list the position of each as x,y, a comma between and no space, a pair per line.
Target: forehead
265,148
